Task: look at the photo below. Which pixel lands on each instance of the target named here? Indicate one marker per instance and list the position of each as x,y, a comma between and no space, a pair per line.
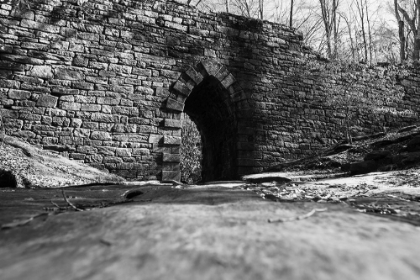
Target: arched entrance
209,108
209,95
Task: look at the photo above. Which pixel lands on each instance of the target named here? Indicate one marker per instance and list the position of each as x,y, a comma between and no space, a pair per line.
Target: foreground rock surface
209,233
25,165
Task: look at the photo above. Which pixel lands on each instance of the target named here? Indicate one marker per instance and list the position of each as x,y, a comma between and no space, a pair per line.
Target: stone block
171,157
83,85
177,26
41,71
46,120
210,53
141,151
68,74
91,107
154,138
120,127
47,101
50,140
168,176
107,101
77,156
86,150
107,151
107,118
94,158
228,81
170,166
29,116
100,135
222,74
128,111
172,104
81,132
64,91
211,67
106,109
112,160
127,89
121,69
66,140
125,166
19,94
61,121
11,66
144,90
123,152
90,125
172,123
182,88
171,140
194,75
138,138
70,106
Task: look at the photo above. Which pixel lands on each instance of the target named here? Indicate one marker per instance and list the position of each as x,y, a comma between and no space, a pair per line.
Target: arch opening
209,108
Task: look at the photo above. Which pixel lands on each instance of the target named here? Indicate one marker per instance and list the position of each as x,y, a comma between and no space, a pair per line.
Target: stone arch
221,148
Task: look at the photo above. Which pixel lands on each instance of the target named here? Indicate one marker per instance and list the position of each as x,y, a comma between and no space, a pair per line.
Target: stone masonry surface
105,82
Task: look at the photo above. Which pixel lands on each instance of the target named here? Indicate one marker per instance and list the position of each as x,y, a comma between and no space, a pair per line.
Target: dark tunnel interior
208,107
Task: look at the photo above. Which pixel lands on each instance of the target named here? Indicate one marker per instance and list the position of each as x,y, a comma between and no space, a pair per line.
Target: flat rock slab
212,233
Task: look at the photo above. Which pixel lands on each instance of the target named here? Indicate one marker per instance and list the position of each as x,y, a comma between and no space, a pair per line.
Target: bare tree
369,29
349,25
361,13
245,7
329,9
401,34
413,22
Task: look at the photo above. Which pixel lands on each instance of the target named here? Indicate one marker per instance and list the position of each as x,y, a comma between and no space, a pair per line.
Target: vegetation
191,153
367,31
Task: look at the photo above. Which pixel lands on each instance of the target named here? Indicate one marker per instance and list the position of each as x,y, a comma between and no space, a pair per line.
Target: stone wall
106,81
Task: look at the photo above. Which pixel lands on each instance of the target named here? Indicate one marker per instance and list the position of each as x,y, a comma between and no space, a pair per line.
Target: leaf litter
359,197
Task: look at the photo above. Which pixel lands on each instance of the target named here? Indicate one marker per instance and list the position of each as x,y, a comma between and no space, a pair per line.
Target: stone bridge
106,82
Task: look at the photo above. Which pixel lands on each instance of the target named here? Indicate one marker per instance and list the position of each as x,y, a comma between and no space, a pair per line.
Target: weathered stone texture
109,88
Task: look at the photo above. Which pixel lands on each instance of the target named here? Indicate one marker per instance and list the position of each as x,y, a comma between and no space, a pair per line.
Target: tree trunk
369,32
412,24
261,8
417,35
291,14
227,6
325,19
362,21
402,40
335,28
416,48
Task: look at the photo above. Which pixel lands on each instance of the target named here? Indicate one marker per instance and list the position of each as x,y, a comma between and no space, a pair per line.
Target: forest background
363,31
